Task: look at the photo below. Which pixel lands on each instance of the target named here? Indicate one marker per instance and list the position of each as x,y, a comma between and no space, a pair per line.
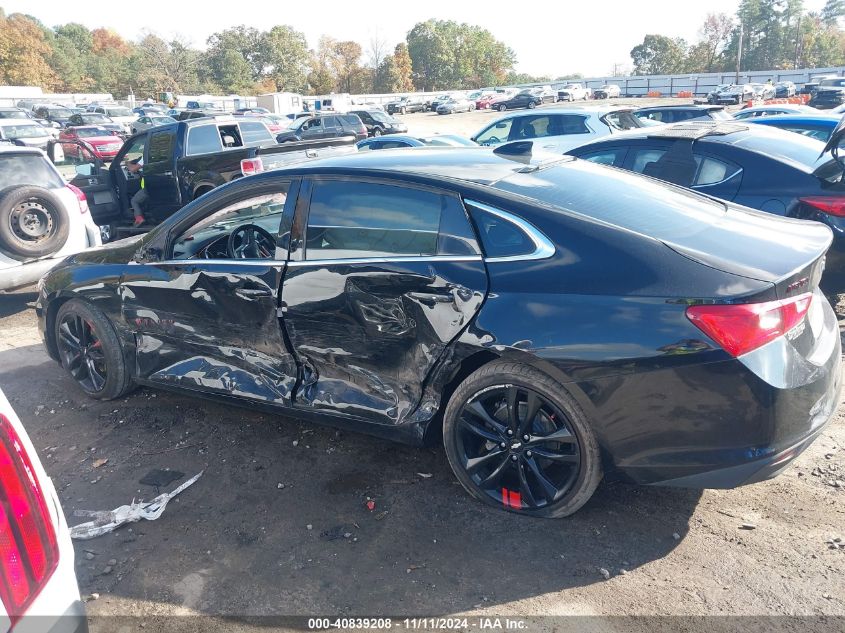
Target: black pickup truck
181,162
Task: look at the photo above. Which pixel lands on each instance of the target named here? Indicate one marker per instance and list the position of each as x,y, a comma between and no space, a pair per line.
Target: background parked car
456,104
736,94
42,219
546,93
57,115
185,115
97,119
378,122
405,105
524,99
811,86
43,594
254,110
817,126
753,165
558,129
608,91
149,121
763,91
13,113
436,101
772,110
396,141
24,132
675,114
829,94
321,126
573,92
784,89
118,114
103,143
713,95
275,122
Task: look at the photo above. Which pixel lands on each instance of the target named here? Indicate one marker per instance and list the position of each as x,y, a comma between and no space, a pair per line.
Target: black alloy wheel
90,351
81,352
517,447
516,440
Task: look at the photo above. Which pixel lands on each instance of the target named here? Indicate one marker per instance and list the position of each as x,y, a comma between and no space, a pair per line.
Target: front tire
531,105
517,441
90,351
377,131
502,108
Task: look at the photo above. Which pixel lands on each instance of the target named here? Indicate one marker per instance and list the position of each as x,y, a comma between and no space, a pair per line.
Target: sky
550,37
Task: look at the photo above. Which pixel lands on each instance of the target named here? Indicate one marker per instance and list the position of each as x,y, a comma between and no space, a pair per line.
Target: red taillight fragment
80,197
741,328
832,205
29,551
250,166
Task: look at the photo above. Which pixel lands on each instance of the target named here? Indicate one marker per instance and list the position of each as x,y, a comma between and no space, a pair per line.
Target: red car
275,123
103,144
487,101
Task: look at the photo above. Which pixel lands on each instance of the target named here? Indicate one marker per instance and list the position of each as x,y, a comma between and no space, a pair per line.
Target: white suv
37,576
42,218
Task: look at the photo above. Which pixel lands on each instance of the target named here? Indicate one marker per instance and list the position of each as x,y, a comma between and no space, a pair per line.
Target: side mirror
85,170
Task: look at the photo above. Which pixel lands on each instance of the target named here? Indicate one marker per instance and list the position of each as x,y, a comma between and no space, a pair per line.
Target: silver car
150,121
456,104
25,132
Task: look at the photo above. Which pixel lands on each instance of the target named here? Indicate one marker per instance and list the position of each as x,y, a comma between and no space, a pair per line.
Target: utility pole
739,51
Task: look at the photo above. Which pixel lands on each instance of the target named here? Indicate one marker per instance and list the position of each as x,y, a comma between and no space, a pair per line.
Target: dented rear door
387,276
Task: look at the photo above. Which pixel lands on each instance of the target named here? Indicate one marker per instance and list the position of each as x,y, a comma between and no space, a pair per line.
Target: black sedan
757,166
519,100
551,319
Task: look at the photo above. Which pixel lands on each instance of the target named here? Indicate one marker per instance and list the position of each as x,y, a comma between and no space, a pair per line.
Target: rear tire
531,105
502,108
377,131
33,222
90,351
509,461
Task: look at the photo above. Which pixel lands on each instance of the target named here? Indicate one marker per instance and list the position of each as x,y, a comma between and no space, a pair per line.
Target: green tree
71,56
402,69
286,56
832,12
243,41
659,55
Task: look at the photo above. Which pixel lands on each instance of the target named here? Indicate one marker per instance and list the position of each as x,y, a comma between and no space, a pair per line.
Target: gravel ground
279,523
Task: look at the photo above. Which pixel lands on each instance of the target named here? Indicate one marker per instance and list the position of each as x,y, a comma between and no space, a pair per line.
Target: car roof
479,165
16,122
689,106
833,121
595,110
19,149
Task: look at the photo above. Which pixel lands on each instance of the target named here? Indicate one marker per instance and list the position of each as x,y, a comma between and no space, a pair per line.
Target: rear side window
708,170
161,147
605,156
621,121
28,169
358,220
351,119
204,139
500,237
255,132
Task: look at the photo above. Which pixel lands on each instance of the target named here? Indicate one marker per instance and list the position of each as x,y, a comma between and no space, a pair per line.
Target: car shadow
279,522
12,303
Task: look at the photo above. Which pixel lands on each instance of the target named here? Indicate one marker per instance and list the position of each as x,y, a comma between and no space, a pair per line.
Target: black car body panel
321,126
519,100
378,123
593,293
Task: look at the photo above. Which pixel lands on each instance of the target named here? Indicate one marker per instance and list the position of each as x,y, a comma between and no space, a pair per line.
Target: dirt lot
278,524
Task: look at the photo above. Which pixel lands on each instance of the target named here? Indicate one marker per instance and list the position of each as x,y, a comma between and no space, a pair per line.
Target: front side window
242,230
350,220
605,157
622,121
204,139
496,133
161,147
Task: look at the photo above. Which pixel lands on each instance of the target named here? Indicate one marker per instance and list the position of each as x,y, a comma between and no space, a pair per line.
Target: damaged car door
204,313
386,275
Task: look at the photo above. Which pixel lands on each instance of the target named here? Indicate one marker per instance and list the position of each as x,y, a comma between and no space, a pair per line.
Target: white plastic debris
108,520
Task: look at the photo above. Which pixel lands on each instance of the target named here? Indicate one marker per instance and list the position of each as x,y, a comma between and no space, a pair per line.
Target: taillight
741,328
250,166
832,205
80,197
29,551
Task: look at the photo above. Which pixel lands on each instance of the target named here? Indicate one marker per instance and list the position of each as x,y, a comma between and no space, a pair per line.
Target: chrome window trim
543,246
269,263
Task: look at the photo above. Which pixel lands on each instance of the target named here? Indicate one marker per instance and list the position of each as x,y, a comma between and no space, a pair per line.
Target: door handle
252,293
431,298
167,173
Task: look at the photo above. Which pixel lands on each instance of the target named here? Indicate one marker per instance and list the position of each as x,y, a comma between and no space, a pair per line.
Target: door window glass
605,157
254,221
161,147
496,133
255,132
204,139
230,135
622,121
352,220
644,157
711,171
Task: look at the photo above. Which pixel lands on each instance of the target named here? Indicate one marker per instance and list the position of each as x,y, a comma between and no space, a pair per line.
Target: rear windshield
28,169
620,198
23,131
802,152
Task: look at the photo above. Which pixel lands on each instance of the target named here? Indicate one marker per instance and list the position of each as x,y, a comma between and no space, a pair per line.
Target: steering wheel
250,241
493,140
